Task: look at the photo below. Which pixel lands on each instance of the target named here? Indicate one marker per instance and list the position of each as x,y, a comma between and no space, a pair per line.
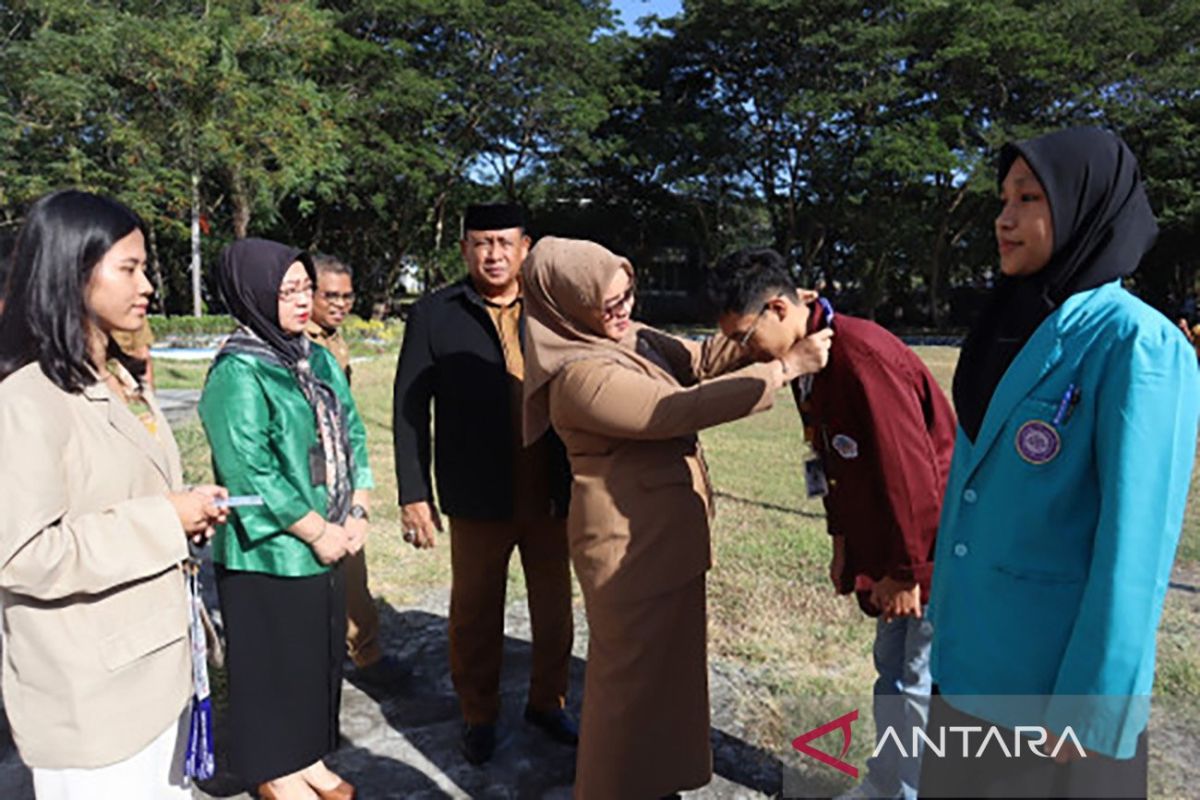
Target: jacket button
970,496
960,549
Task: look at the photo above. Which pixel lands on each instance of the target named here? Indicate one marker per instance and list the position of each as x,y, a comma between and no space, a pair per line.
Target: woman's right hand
809,355
197,512
332,545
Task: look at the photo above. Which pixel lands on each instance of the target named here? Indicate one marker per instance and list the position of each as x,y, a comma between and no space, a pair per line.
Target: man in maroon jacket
882,433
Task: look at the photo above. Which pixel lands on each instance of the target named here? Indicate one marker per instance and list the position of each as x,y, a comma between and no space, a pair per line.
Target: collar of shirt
319,332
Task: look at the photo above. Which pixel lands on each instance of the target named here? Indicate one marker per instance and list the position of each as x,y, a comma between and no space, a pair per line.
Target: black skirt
1027,776
286,638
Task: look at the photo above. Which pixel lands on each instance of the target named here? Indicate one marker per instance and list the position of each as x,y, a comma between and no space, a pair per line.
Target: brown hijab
563,281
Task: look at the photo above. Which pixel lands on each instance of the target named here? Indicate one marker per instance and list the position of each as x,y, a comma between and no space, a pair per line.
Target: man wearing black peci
462,352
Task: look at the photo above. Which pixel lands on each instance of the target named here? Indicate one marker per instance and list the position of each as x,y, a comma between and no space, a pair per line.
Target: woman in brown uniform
627,401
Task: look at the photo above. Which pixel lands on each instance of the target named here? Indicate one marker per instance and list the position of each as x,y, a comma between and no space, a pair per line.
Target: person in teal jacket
283,429
1077,406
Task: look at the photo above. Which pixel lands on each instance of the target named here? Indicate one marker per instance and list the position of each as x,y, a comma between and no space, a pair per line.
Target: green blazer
260,429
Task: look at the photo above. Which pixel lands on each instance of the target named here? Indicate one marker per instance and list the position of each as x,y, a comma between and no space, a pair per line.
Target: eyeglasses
336,297
622,305
744,339
292,291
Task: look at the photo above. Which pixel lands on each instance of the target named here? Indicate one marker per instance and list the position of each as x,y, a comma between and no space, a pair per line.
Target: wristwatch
358,512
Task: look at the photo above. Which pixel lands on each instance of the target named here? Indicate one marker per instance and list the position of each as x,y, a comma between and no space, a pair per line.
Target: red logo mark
843,722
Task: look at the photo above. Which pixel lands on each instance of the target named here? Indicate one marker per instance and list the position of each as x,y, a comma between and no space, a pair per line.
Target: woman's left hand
1068,751
356,534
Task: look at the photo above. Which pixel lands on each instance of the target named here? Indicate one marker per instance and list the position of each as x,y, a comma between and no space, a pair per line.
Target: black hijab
251,271
1103,226
249,277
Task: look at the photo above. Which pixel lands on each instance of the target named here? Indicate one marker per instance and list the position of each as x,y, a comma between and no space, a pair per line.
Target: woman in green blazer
283,427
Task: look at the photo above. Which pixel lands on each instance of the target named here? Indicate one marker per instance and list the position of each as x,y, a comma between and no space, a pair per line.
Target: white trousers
154,773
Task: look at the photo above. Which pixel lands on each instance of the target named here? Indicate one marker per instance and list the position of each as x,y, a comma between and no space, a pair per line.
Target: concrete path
178,405
406,745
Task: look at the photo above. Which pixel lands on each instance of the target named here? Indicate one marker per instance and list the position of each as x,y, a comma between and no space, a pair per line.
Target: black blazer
452,356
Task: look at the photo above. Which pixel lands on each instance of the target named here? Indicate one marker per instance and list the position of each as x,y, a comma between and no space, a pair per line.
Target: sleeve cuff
914,573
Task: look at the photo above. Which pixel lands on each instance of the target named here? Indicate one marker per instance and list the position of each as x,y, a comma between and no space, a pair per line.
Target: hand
1070,750
332,545
356,534
896,599
808,355
1187,330
197,513
837,564
419,520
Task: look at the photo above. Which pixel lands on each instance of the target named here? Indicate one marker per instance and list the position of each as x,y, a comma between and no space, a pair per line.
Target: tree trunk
197,309
156,271
241,207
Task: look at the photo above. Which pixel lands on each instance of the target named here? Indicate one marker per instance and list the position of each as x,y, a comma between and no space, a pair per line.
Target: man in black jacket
462,350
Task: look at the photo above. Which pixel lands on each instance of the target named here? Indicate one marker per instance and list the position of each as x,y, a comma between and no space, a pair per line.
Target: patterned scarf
328,415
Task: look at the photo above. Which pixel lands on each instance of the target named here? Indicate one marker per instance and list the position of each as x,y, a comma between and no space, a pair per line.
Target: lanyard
199,761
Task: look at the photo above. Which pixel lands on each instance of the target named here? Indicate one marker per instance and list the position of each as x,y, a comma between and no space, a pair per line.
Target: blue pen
1069,398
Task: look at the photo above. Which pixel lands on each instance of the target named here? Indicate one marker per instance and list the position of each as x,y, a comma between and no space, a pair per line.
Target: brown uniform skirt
645,725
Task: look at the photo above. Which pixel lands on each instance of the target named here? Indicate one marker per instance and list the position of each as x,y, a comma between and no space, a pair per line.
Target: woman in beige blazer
93,533
627,401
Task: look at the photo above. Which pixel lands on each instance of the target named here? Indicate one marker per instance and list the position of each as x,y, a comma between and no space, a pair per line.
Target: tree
174,107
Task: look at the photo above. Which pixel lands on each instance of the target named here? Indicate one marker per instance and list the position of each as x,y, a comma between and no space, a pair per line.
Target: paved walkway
406,746
178,405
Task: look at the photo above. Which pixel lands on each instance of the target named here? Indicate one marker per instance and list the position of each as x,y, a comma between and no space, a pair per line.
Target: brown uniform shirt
333,341
531,466
133,343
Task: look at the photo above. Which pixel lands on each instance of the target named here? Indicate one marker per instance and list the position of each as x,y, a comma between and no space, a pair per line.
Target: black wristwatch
358,512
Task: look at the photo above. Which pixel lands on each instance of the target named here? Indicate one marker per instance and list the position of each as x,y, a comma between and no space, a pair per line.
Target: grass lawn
771,607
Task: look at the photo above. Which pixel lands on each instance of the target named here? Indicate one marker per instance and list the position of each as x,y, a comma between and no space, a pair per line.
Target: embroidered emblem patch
1038,442
846,447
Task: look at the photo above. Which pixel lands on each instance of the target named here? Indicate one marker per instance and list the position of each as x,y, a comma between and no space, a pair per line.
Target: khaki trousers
479,554
362,617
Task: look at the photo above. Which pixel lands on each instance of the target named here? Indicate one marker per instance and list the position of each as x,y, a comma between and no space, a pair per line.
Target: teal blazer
1051,565
260,428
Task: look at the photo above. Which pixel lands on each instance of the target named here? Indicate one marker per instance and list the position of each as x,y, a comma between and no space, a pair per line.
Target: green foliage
857,137
191,328
373,335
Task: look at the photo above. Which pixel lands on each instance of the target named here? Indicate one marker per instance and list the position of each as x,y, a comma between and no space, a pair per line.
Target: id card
814,478
238,501
316,465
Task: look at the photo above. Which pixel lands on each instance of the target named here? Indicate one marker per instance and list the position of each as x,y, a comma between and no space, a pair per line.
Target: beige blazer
640,497
96,655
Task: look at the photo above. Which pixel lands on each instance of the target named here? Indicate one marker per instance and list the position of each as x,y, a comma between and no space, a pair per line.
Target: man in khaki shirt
332,301
137,344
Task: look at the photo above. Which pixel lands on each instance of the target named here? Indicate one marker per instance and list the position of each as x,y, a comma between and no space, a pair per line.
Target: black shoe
556,724
388,674
478,743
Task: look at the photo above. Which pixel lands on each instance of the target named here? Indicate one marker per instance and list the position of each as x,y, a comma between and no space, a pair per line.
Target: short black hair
323,262
742,281
65,235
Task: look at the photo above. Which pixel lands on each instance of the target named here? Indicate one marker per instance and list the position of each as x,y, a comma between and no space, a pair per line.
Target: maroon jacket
884,431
